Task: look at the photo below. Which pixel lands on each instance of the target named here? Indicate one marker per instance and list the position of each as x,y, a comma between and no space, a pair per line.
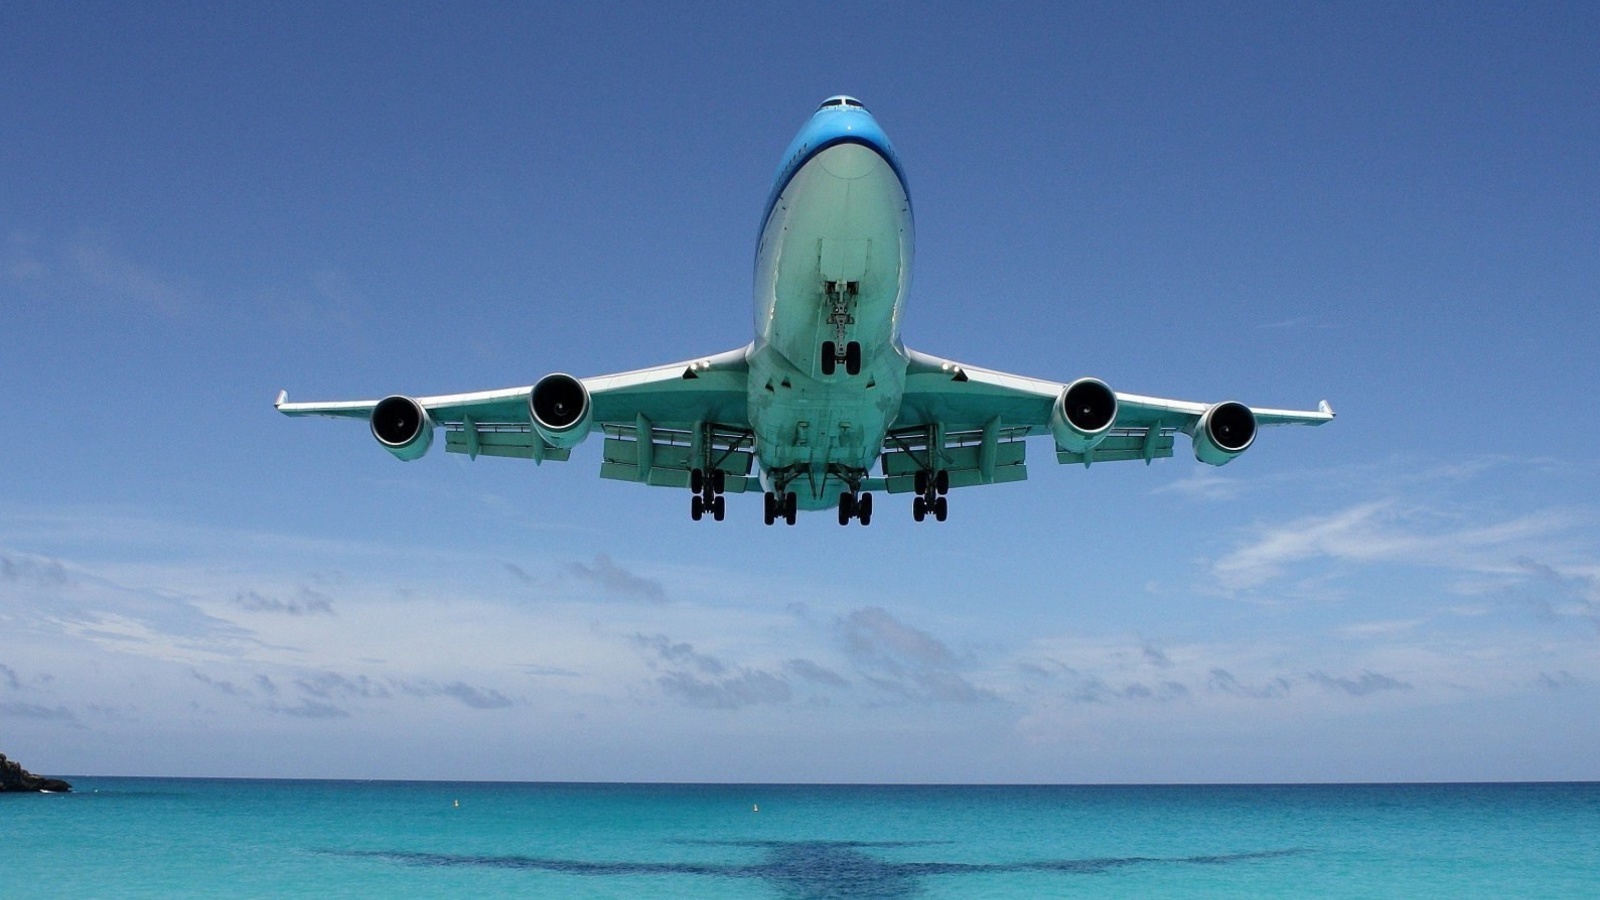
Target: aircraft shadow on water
813,870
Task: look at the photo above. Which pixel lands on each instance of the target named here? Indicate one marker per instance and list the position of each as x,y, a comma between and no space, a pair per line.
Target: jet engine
402,426
1225,430
1083,415
561,410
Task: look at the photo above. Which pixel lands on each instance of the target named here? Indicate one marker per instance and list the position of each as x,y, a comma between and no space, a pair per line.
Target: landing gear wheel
941,508
697,481
919,508
769,503
830,354
846,509
864,509
719,481
719,507
852,358
791,507
697,507
941,483
921,482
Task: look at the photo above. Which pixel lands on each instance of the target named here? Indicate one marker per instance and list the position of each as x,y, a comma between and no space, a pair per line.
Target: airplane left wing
659,422
971,422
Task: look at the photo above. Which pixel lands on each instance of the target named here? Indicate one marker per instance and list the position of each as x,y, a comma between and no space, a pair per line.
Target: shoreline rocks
15,779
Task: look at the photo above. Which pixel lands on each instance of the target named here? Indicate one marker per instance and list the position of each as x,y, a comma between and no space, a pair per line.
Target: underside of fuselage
832,270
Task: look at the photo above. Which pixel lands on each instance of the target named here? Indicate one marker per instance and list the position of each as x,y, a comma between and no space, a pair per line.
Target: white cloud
1383,532
1202,483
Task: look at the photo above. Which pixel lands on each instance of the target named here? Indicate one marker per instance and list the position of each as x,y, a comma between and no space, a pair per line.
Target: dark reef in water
14,778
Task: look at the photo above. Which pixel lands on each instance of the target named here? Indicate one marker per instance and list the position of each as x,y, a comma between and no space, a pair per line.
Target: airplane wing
971,422
659,422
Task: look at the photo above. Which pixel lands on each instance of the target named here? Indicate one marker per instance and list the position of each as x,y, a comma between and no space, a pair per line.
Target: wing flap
1120,447
509,440
663,457
989,455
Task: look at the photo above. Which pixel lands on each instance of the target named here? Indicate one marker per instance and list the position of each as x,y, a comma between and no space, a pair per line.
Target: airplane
826,391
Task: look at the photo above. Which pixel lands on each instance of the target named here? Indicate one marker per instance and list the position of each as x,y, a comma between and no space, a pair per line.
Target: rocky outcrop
13,777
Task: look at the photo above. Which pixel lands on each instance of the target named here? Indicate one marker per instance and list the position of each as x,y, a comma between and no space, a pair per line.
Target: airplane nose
849,161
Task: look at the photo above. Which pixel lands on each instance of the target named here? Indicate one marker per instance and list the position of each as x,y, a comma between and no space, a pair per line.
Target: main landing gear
855,506
781,506
708,498
931,488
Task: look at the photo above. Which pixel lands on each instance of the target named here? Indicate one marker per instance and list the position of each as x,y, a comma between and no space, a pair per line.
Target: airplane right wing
970,422
660,423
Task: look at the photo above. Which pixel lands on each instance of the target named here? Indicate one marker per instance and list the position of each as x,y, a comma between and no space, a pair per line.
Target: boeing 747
826,392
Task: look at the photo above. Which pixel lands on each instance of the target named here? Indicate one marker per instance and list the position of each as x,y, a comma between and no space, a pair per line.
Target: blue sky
1391,207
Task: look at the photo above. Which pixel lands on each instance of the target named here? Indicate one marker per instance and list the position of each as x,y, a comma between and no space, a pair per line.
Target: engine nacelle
1083,415
561,410
402,426
1224,431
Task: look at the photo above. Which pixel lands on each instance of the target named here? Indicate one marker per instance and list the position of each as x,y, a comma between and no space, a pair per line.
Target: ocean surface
147,837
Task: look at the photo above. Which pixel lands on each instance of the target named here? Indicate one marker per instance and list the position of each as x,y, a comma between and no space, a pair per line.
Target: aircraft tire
697,507
719,508
864,509
921,481
919,508
941,483
697,481
941,508
852,358
769,507
829,354
791,507
719,480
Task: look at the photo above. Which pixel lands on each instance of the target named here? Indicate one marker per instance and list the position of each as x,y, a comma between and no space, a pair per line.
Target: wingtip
1326,409
283,397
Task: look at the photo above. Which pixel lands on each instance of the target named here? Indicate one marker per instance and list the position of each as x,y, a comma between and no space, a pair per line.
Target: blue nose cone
841,119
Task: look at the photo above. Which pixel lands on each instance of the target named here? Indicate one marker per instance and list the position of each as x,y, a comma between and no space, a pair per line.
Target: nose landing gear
851,357
841,297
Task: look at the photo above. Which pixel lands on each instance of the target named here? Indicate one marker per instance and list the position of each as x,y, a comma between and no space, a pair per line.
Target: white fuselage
833,265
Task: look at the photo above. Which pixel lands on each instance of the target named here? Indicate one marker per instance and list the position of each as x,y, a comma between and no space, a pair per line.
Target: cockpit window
850,102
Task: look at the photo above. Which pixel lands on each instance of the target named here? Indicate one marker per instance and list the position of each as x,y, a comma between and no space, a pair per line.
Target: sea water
137,837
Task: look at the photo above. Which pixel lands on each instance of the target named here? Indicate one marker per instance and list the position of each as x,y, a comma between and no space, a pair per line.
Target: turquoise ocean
147,837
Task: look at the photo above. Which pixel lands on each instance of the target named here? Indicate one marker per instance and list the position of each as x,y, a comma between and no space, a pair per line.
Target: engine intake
1083,415
402,426
559,405
1225,431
